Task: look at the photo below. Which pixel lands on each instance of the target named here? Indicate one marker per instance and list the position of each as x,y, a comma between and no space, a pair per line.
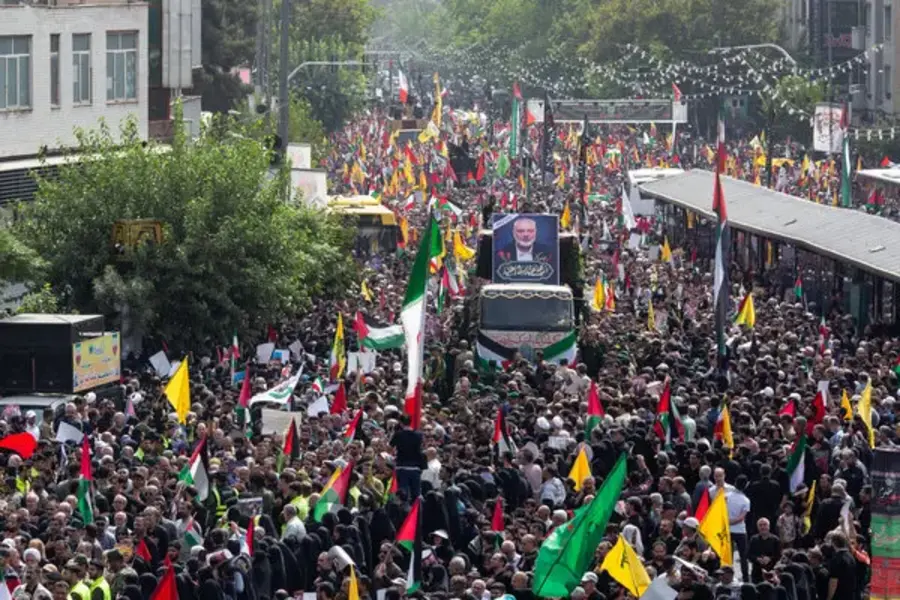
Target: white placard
318,407
364,361
68,433
160,363
264,352
276,421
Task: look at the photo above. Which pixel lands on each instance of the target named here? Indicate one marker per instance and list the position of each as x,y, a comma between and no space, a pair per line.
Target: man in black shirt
764,552
841,571
410,459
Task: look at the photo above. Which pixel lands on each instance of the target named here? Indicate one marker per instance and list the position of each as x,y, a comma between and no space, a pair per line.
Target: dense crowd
146,515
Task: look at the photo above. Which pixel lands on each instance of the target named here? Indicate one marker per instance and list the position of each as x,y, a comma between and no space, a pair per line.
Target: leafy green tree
779,111
41,301
228,41
234,256
18,262
302,127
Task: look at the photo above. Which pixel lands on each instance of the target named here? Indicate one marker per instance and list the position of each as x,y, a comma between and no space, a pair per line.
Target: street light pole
283,77
755,46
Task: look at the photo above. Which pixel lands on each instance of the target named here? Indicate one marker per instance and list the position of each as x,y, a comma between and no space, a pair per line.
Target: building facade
66,65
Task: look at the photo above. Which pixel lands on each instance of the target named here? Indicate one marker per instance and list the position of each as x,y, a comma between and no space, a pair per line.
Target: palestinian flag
798,288
143,551
502,441
339,405
350,432
334,494
796,466
668,426
823,337
723,243
413,319
789,410
702,505
595,411
244,397
22,444
375,337
85,500
338,352
390,490
819,411
195,473
410,537
897,365
248,540
291,447
192,535
497,523
167,589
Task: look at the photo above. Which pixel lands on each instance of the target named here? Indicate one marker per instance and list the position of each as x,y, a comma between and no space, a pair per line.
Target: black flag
582,165
549,134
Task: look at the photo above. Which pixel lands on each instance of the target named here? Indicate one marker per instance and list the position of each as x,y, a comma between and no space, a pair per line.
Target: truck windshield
531,314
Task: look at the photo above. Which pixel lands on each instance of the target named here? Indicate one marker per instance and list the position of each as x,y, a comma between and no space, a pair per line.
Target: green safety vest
101,583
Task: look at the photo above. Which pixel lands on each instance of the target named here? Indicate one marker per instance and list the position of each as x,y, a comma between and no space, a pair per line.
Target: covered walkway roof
849,236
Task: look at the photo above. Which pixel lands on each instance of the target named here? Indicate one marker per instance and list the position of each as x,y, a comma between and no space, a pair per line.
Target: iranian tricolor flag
413,319
595,410
85,502
846,165
796,466
515,122
410,537
196,471
334,494
374,337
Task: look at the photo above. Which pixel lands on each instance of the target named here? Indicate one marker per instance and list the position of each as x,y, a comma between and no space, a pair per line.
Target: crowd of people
149,522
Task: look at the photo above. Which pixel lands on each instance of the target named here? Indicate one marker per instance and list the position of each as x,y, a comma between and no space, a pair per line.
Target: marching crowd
254,525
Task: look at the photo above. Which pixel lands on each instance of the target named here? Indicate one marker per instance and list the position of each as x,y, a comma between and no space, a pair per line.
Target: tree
41,301
234,255
228,41
18,262
792,96
302,127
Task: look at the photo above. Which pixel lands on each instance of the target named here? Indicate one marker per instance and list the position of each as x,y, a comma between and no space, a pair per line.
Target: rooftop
850,236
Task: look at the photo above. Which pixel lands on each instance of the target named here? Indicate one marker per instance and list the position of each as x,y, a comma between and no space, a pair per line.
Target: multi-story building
66,64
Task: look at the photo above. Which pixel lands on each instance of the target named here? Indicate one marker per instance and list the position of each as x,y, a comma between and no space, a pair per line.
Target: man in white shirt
293,526
433,473
738,505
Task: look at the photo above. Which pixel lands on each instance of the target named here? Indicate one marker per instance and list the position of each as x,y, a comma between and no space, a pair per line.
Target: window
15,71
888,23
81,68
888,90
121,66
54,69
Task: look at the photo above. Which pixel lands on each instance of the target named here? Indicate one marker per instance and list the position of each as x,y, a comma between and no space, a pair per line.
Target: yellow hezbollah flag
864,408
178,391
364,290
623,565
353,589
716,531
807,512
599,299
651,316
581,470
338,355
846,407
746,312
461,252
725,433
436,114
566,218
665,254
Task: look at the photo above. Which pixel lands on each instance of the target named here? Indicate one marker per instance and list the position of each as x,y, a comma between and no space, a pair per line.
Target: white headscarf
632,535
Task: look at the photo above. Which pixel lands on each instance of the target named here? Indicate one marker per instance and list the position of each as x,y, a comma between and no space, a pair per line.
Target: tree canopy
234,255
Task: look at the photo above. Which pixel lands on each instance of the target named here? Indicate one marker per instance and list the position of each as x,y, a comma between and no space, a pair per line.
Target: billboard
310,186
525,248
96,361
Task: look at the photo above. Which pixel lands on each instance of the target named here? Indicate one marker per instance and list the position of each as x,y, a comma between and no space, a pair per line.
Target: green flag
502,165
567,553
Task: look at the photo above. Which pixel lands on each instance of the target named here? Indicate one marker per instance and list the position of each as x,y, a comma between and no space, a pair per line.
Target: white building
67,65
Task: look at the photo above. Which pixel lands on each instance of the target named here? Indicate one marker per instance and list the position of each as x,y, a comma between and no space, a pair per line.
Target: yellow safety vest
139,455
82,591
101,583
23,486
302,506
220,508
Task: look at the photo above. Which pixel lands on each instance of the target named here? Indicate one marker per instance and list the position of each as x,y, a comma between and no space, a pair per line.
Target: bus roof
652,174
502,289
376,210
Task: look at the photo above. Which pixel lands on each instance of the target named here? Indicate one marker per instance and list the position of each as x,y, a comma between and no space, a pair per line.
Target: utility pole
283,102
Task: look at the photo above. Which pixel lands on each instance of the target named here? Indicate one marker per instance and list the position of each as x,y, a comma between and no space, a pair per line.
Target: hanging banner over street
611,111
